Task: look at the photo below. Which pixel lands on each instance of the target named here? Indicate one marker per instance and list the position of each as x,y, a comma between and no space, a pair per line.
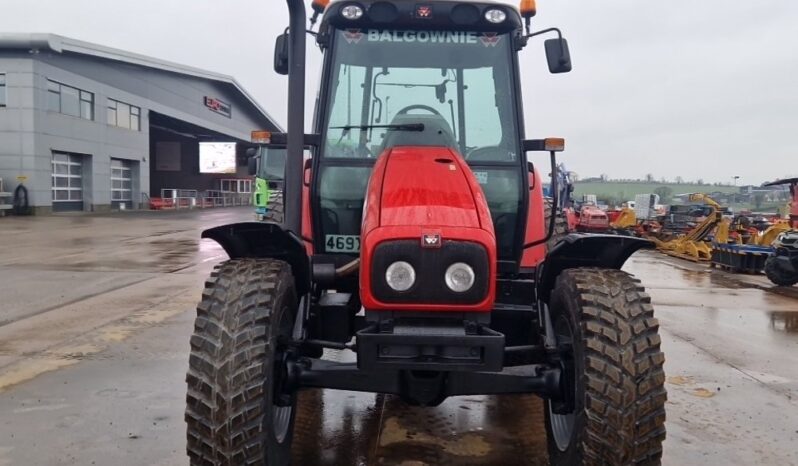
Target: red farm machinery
417,236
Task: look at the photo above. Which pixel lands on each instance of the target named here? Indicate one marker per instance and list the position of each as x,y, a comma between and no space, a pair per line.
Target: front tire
778,276
247,310
275,208
614,371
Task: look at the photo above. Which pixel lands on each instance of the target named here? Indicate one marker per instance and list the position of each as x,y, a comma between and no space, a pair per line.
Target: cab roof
446,15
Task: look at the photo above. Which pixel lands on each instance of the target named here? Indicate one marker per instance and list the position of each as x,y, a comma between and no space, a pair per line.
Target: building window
2,90
67,177
70,100
124,115
121,180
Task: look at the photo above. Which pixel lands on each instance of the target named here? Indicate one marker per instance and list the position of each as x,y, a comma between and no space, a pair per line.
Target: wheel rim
281,415
562,425
281,420
562,428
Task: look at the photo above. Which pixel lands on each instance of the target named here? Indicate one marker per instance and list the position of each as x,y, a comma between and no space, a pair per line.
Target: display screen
217,157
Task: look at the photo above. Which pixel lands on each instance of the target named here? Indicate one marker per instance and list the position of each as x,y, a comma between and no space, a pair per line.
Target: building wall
17,123
178,96
96,140
29,132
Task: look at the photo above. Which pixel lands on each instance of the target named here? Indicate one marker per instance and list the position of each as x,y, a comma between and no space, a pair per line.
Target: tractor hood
429,187
425,207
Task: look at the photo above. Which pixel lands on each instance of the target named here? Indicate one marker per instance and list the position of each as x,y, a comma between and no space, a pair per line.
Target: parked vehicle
416,237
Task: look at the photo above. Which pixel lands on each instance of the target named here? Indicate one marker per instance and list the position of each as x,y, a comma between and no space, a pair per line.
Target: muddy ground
96,311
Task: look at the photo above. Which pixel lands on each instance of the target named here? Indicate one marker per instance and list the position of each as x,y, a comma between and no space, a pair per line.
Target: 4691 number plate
342,243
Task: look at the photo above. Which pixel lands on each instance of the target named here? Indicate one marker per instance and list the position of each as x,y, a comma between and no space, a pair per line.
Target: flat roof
61,44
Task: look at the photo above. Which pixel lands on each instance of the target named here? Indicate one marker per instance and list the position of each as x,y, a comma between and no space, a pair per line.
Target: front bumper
431,346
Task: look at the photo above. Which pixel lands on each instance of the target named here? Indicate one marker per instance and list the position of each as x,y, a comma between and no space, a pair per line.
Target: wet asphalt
96,312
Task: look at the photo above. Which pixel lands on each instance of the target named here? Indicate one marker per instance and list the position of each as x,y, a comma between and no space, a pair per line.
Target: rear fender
264,240
587,250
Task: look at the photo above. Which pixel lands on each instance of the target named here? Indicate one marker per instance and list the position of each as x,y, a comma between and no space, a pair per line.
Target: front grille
430,266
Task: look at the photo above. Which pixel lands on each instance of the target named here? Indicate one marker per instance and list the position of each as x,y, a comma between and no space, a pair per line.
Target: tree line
649,178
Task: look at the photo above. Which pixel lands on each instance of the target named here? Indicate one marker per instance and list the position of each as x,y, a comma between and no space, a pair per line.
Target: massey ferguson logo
490,39
353,36
424,11
431,240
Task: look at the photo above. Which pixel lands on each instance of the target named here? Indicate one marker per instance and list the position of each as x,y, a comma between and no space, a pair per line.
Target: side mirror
252,164
557,55
281,54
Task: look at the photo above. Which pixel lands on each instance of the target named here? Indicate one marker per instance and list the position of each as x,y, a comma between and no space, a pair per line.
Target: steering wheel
490,153
405,110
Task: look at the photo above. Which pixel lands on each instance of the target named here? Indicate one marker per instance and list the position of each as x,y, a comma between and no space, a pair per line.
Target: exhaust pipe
292,195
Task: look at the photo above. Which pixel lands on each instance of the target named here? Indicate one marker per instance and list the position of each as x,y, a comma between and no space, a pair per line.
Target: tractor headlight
459,277
400,276
352,12
495,16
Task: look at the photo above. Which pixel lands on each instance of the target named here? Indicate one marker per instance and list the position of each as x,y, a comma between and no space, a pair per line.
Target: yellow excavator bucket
769,235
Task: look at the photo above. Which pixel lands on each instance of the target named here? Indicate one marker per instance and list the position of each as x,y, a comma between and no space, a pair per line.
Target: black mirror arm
559,36
554,201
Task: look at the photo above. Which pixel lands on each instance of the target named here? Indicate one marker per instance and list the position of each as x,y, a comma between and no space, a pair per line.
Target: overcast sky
698,89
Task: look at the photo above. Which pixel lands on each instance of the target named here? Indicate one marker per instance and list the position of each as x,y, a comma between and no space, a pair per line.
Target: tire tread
227,363
624,376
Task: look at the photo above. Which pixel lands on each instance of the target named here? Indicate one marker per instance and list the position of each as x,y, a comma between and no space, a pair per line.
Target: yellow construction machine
627,219
692,246
723,234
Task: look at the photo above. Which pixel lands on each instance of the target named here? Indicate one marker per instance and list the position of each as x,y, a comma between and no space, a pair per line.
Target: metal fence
174,198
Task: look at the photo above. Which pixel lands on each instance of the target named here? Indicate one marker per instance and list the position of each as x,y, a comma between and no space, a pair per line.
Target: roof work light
495,15
352,12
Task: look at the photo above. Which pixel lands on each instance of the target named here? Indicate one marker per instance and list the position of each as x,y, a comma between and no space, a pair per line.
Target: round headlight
400,276
352,12
459,277
495,15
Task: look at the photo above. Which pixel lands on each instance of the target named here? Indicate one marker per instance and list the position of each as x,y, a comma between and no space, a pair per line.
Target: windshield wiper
399,127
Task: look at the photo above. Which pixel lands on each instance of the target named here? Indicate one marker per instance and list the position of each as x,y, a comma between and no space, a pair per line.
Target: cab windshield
386,85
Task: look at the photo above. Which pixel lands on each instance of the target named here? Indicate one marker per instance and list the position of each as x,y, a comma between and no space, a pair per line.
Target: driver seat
436,132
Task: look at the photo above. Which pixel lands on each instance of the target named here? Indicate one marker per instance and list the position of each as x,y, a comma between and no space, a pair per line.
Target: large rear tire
778,276
614,370
247,310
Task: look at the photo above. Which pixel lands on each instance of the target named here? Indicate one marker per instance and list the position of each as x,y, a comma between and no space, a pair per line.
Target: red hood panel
426,186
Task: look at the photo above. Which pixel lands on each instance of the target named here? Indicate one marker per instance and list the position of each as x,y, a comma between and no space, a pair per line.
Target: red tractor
416,237
593,220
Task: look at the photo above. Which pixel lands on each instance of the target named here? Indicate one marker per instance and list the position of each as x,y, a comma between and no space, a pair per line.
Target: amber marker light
261,137
554,144
320,5
528,8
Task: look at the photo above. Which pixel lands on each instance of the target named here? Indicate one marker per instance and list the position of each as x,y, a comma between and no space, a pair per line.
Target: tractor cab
439,74
267,165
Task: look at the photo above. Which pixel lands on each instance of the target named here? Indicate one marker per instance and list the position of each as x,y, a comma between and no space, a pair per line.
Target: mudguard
264,240
587,250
